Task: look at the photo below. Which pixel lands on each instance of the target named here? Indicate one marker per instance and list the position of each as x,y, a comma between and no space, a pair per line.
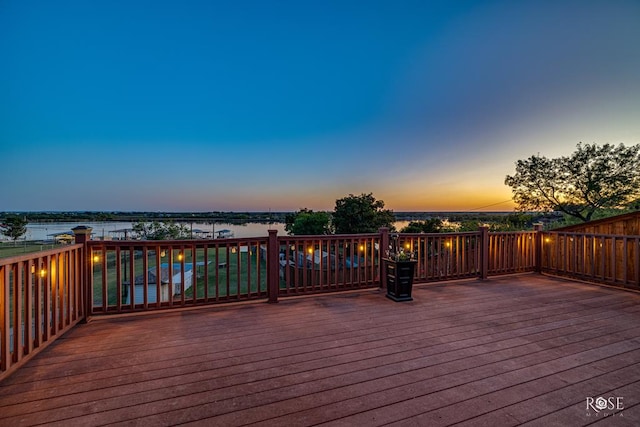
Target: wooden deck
523,349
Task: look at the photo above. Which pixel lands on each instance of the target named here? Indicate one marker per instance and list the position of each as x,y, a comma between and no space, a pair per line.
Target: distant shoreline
226,217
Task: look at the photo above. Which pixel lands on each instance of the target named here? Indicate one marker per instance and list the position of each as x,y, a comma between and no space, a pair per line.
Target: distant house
315,259
174,285
152,291
224,234
64,237
121,234
197,233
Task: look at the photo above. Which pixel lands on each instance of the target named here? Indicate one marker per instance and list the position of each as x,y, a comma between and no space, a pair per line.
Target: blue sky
279,105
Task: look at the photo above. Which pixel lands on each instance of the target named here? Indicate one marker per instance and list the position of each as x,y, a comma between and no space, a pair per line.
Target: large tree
14,227
594,177
161,230
308,222
361,214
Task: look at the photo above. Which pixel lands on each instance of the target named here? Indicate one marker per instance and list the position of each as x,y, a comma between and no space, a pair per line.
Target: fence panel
131,276
44,294
511,252
443,256
40,299
311,264
603,258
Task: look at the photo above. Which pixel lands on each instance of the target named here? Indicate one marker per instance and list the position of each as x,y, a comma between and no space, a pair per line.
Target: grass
222,282
9,249
237,276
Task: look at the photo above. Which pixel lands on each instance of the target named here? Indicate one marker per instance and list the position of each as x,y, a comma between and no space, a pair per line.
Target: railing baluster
5,334
602,258
43,294
29,307
636,264
17,311
38,303
625,242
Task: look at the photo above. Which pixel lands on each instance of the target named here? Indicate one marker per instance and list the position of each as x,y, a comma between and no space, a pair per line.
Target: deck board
507,351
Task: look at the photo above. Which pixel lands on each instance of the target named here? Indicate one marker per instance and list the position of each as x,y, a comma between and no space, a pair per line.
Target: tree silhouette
592,178
14,227
361,214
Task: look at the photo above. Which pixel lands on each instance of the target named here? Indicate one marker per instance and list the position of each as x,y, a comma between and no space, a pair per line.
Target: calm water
43,231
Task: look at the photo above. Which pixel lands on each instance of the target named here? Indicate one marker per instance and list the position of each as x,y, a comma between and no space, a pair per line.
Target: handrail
603,258
131,276
44,294
312,264
41,297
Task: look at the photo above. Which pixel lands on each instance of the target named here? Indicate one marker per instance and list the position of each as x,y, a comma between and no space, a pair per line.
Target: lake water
44,231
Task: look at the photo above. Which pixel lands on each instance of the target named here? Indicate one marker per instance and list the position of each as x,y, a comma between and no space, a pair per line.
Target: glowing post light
310,250
180,256
42,272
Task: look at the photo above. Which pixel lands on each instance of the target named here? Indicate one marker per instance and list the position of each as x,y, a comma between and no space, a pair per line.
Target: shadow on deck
510,350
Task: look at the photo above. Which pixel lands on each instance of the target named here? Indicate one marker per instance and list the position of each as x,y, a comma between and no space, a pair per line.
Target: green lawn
9,249
225,273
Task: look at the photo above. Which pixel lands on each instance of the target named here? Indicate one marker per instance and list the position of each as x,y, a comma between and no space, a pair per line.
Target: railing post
538,227
484,252
82,235
273,267
384,246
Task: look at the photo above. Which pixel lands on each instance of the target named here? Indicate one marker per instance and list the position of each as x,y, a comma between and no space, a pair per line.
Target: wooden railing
130,276
444,256
511,252
44,294
41,297
448,256
197,272
603,258
312,264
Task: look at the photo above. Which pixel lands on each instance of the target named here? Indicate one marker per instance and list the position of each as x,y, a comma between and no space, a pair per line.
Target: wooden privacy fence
602,258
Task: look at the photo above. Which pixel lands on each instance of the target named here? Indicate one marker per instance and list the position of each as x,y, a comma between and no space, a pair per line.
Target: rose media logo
604,406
